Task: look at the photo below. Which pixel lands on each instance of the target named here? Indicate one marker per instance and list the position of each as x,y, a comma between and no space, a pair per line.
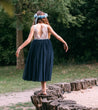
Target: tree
75,21
22,9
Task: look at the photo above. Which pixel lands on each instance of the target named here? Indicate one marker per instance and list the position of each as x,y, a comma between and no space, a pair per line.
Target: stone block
65,86
54,99
84,84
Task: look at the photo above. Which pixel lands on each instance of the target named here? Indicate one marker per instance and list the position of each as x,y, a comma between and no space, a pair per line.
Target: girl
39,62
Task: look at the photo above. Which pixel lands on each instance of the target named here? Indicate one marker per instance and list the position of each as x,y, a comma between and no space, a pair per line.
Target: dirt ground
87,97
8,99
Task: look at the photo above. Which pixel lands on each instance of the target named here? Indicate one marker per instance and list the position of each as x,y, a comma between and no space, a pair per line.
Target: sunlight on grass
11,78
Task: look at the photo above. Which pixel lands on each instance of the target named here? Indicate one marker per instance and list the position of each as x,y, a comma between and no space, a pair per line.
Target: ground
8,99
87,97
11,81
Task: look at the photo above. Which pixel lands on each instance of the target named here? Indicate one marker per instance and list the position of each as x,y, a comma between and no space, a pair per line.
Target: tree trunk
19,41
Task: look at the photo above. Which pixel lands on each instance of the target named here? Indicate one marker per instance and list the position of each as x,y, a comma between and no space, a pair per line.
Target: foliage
8,7
86,40
75,21
81,36
7,40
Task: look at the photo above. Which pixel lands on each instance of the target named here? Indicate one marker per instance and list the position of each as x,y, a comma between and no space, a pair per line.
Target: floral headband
40,16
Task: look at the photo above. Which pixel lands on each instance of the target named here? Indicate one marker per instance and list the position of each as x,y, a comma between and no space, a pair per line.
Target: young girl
39,62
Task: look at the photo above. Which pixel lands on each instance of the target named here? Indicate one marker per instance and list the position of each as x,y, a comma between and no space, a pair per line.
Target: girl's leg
43,84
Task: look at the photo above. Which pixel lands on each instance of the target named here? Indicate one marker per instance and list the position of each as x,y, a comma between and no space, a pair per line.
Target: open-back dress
39,62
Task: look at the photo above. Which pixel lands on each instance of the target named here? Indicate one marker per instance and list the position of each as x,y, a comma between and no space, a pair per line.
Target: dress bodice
40,31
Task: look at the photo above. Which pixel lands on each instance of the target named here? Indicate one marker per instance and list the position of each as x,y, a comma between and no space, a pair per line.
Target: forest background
76,21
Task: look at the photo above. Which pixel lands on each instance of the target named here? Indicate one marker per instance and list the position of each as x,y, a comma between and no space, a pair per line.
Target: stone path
87,97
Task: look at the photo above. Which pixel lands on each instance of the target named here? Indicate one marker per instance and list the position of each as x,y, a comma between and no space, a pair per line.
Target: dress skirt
39,62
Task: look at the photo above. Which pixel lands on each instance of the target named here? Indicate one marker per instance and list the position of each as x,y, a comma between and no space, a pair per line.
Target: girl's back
40,31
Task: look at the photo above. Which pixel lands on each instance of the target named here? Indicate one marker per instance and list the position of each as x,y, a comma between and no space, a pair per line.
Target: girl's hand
65,47
17,52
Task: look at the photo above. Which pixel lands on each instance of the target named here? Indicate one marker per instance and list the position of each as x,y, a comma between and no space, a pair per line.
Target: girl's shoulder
47,25
34,26
38,25
43,24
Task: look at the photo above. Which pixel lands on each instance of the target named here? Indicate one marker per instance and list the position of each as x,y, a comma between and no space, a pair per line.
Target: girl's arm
26,42
58,37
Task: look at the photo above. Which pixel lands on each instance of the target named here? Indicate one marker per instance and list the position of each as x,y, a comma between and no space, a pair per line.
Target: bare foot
42,93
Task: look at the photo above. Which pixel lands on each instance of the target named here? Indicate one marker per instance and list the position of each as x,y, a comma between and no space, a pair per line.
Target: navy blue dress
39,62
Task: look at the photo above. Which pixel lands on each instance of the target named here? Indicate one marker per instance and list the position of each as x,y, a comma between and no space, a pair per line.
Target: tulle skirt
39,62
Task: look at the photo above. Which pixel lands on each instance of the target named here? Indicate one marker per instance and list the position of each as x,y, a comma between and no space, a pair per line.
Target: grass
19,106
11,78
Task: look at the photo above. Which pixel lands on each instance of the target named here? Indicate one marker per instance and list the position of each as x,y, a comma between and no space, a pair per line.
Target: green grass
11,78
19,106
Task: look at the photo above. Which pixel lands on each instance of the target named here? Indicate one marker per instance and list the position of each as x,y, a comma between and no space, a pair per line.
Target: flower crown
40,16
